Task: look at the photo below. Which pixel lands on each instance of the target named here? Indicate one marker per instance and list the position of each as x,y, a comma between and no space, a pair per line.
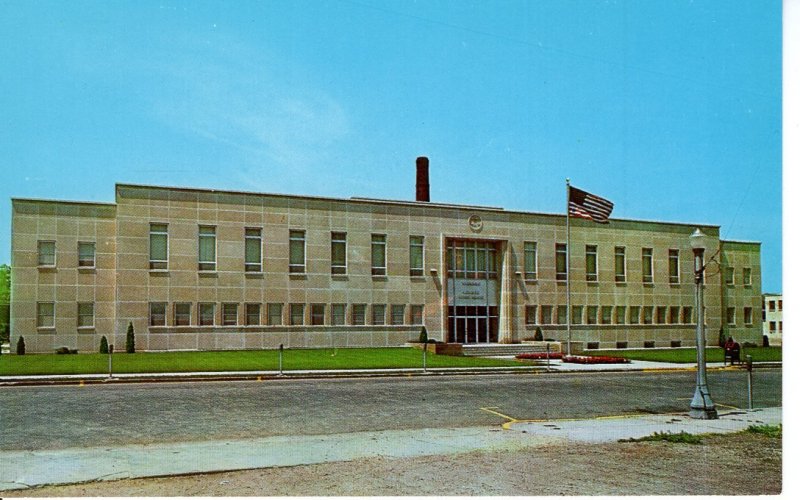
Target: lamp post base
704,413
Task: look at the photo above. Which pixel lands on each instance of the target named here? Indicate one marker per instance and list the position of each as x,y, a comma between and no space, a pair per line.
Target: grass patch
670,437
689,355
225,361
772,431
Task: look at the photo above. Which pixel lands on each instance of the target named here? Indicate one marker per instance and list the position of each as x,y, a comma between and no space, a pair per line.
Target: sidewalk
24,469
555,366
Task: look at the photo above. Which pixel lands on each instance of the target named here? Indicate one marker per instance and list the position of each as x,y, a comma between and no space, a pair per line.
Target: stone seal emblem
475,223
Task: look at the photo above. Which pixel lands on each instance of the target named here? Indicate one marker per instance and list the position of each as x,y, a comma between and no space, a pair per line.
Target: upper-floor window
647,265
85,314
561,261
771,306
416,252
338,253
674,269
731,316
619,264
252,250
634,316
605,315
207,245
748,316
297,251
619,315
561,315
729,276
591,315
159,246
47,253
531,267
591,262
86,251
379,255
647,315
747,276
674,315
577,315
780,304
686,315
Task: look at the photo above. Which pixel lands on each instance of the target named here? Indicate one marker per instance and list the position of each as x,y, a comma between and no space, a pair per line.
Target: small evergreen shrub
104,345
538,336
62,350
130,340
423,335
21,346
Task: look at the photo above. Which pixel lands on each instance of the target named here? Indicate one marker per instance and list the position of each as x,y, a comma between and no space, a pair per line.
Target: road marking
511,420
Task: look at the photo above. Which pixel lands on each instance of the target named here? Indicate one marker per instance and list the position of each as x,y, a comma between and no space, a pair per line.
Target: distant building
772,317
206,269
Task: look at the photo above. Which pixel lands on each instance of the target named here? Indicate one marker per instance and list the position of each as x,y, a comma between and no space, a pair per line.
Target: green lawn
222,361
689,355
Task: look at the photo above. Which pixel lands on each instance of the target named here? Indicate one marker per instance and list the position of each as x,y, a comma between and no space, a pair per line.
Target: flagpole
569,315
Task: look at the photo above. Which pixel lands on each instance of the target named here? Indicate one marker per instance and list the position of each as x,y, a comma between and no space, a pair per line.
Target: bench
733,354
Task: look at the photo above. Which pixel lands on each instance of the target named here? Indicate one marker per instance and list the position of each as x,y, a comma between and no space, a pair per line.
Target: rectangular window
771,306
297,252
561,262
297,314
619,264
378,314
86,252
379,255
230,314
780,326
274,314
577,315
317,314
780,304
748,316
634,317
772,325
47,253
591,315
729,273
605,315
674,268
359,314
207,248
561,315
547,315
531,264
647,315
252,314
591,262
159,246
686,315
182,314
619,315
337,314
647,265
747,276
45,315
85,314
206,313
416,255
674,315
158,314
416,314
530,315
661,315
338,253
252,250
398,314
730,316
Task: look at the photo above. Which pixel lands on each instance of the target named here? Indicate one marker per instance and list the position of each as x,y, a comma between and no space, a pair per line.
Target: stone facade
366,301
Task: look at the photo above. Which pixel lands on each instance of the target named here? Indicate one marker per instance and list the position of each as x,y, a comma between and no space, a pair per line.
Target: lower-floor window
297,314
359,314
338,314
230,314
416,314
183,314
205,313
748,316
398,314
158,314
252,314
85,314
378,314
274,314
530,315
45,314
317,314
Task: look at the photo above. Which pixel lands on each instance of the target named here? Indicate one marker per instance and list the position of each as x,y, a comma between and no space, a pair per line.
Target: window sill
417,279
46,268
46,329
253,274
340,277
380,278
84,329
164,272
298,276
207,274
648,284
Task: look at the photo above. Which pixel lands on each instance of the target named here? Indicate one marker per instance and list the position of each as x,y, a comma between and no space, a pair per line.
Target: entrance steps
507,349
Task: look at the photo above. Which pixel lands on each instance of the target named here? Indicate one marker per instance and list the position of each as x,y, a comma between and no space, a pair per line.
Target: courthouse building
210,270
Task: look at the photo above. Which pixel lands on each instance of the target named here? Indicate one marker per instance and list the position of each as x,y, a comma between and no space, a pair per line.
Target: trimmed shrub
423,335
21,346
62,350
104,345
538,336
130,340
722,339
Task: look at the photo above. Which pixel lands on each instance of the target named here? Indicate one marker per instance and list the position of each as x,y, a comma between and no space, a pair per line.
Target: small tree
423,335
130,340
538,336
104,345
21,346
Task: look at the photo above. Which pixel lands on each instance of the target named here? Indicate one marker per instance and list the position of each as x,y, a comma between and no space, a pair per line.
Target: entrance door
472,324
472,291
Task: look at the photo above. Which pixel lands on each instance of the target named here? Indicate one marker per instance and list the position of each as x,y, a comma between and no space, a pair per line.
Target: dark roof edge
64,202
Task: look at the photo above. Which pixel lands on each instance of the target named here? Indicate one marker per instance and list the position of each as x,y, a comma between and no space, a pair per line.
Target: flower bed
539,355
594,360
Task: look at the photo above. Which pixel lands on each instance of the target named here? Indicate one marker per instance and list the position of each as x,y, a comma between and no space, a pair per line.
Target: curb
83,379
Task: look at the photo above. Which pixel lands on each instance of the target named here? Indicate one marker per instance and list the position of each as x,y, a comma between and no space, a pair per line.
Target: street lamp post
701,407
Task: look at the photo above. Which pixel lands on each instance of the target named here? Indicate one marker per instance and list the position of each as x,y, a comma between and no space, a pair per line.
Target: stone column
505,323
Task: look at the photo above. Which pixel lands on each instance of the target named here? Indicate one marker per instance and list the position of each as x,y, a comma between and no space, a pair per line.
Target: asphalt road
53,417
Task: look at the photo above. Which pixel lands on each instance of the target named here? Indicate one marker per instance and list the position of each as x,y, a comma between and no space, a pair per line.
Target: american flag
588,206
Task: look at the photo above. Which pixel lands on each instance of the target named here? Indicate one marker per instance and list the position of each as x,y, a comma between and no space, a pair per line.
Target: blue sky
671,109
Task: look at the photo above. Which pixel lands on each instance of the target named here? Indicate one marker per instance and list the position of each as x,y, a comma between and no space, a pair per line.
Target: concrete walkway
25,469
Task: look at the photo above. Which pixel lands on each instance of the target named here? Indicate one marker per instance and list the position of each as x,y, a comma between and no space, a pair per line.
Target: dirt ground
737,464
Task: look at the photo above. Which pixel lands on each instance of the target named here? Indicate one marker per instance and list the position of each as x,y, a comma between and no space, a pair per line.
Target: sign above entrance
475,223
466,292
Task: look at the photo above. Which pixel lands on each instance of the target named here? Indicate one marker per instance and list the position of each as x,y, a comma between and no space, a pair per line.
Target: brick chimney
423,187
